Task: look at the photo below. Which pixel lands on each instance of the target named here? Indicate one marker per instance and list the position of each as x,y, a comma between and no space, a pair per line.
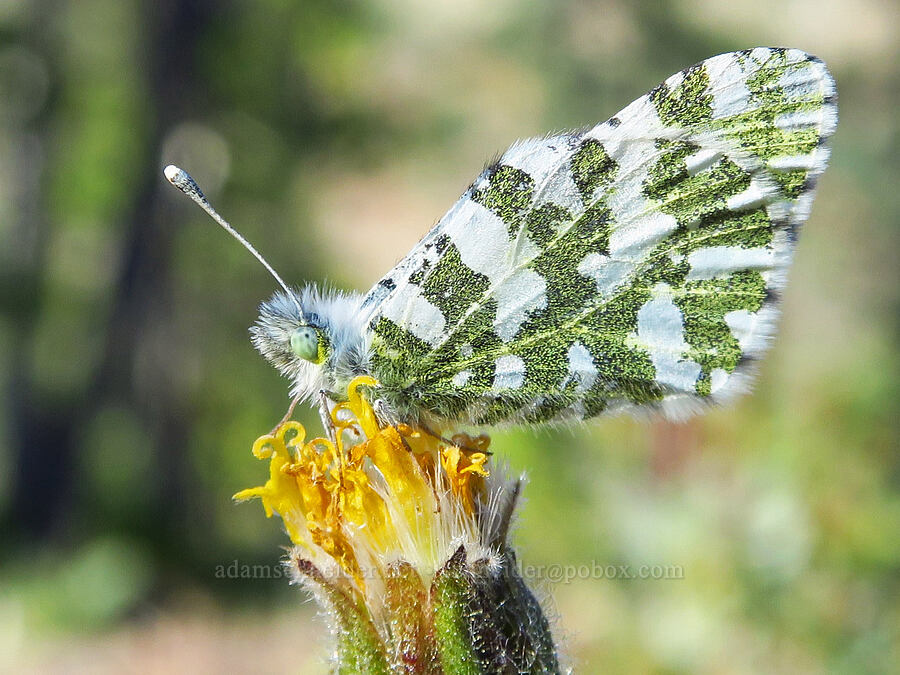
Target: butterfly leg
325,416
287,415
454,440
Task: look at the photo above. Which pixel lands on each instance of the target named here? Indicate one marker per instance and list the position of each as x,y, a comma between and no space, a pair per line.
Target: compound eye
305,344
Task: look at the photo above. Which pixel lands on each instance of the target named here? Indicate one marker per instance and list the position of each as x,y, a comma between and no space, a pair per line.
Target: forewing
635,265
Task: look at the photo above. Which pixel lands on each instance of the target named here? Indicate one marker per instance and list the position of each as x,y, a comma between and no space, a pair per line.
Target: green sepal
412,647
359,647
487,621
513,633
452,593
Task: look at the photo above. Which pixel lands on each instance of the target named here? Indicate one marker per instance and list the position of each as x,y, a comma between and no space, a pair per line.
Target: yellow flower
379,494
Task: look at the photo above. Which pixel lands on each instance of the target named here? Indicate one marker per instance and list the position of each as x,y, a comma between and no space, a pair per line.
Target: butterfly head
318,348
290,341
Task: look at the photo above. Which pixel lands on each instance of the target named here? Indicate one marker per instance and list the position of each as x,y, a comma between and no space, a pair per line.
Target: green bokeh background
333,134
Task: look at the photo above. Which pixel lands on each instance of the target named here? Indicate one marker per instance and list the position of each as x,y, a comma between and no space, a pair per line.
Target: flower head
377,515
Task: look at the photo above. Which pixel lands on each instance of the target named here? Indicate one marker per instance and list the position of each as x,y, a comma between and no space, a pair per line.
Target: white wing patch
517,295
510,373
719,261
541,158
481,238
582,370
661,333
741,323
754,196
732,99
702,160
422,319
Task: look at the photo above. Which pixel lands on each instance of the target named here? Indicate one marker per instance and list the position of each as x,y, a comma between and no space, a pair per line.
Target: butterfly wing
636,265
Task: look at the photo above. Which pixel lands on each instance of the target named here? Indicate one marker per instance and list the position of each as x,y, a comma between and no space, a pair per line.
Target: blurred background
334,134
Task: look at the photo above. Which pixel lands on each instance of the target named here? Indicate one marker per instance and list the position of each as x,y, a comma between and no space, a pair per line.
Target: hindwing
634,265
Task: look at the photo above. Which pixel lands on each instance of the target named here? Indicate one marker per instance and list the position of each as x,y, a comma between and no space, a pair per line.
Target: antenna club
183,181
172,173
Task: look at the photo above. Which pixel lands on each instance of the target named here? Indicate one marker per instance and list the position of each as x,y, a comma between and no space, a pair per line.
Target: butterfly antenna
183,181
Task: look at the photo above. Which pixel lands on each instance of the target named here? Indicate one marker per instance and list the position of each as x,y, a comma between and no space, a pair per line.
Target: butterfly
636,265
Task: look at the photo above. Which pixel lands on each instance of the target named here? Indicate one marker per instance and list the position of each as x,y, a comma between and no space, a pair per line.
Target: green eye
307,344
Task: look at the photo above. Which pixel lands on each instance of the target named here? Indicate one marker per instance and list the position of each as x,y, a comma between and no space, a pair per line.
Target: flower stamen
376,493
